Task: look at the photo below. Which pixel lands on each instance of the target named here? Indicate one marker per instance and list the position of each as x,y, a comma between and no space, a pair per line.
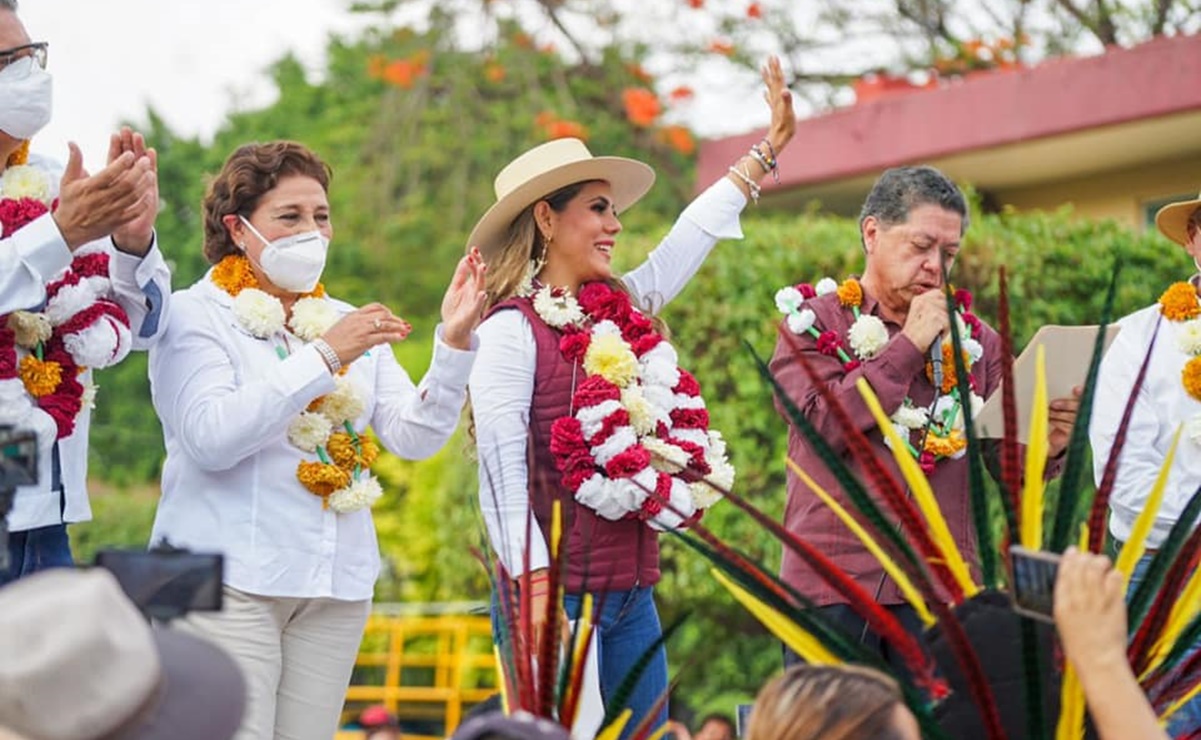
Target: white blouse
502,382
225,400
1162,405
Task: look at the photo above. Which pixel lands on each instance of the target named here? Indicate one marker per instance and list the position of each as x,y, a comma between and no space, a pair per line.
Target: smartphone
167,583
743,719
1034,573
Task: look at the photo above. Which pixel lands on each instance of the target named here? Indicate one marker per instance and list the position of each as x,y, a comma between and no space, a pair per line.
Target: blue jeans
1187,719
627,624
36,549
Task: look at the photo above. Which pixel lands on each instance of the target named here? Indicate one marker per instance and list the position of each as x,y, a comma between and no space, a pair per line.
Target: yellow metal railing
426,669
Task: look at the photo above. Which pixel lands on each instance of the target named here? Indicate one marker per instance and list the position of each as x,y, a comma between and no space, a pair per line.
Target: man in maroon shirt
913,219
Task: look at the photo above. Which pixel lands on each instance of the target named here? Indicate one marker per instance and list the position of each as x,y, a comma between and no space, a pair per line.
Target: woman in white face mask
266,387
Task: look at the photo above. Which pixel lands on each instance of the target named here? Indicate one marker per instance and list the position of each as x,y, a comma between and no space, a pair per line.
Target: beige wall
1119,194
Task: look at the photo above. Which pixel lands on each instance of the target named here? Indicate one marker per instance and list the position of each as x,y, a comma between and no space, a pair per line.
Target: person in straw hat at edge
577,396
1170,397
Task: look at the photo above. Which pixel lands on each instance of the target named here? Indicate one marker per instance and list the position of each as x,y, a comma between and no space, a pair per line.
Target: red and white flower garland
43,353
638,422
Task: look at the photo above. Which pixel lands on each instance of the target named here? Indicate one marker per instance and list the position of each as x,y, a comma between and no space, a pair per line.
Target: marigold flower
322,479
642,105
949,380
1191,377
696,4
721,46
567,130
494,72
233,274
41,377
680,139
683,92
945,446
341,448
754,10
850,293
1179,302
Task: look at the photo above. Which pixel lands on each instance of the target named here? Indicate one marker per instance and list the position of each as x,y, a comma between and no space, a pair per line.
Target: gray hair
8,5
901,189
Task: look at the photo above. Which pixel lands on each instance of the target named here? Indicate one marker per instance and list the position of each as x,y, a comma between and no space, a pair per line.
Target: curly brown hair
251,172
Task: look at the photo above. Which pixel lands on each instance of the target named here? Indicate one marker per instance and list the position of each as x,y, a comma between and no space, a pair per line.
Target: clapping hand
95,206
136,234
463,304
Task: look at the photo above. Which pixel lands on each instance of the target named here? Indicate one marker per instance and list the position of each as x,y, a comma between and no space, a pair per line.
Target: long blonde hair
811,702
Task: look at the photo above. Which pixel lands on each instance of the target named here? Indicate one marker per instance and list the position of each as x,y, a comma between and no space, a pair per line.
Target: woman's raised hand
357,332
463,304
779,99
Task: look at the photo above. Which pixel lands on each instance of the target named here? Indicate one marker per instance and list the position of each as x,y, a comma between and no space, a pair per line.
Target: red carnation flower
574,345
594,390
15,213
602,302
687,385
63,409
577,469
963,297
828,343
655,500
927,462
850,365
566,437
645,343
636,325
628,463
619,418
690,418
94,264
973,323
807,290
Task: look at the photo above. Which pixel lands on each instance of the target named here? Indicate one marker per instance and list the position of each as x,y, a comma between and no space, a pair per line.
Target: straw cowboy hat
1173,219
547,168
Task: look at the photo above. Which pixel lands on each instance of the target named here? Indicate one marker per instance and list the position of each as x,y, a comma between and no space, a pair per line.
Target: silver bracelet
328,354
750,184
762,160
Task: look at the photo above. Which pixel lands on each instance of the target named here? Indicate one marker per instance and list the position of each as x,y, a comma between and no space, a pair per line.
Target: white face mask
293,262
27,91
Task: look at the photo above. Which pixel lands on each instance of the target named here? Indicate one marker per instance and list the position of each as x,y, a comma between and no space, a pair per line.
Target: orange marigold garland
1191,377
1179,302
41,377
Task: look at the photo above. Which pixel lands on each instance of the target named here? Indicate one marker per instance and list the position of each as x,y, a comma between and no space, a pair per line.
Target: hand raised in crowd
1060,420
463,304
357,332
135,235
779,100
1090,611
927,319
94,206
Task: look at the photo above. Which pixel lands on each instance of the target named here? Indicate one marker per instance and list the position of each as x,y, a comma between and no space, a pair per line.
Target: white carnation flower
103,343
825,285
346,403
597,494
656,371
592,418
662,399
717,444
312,317
642,415
695,436
801,322
662,352
682,507
909,416
88,398
974,349
606,328
789,300
24,181
665,456
258,312
360,494
557,311
618,442
977,403
29,327
68,301
1188,337
867,336
309,431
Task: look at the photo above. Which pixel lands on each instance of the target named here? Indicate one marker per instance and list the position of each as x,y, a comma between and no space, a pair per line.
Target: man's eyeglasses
37,51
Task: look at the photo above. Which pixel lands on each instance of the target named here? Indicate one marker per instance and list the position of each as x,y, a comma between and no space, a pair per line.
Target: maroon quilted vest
602,555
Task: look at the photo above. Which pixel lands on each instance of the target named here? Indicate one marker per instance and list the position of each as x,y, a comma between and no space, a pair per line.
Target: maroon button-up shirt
896,372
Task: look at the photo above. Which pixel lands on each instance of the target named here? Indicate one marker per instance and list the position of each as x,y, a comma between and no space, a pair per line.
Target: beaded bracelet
770,162
750,184
762,160
328,354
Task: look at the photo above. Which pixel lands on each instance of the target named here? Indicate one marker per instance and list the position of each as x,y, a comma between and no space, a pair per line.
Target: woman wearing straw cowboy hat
1170,397
577,397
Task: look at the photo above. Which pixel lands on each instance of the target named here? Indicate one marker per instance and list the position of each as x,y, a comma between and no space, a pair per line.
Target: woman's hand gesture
463,304
360,330
779,99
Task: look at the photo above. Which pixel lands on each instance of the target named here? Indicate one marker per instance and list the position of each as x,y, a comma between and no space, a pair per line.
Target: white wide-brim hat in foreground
547,168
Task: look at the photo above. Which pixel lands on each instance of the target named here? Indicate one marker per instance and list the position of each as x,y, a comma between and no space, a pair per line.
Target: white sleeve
28,260
502,385
713,215
142,285
218,420
415,421
1144,449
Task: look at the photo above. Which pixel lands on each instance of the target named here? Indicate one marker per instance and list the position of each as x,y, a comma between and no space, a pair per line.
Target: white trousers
295,654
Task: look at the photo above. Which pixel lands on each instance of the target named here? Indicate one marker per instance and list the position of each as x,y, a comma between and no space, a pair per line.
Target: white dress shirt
502,382
29,259
225,399
1162,405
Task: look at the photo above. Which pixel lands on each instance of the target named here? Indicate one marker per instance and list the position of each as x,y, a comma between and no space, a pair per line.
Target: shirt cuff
454,365
134,270
716,210
41,246
305,377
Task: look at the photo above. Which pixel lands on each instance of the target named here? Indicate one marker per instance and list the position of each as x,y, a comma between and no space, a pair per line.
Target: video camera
167,582
18,467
